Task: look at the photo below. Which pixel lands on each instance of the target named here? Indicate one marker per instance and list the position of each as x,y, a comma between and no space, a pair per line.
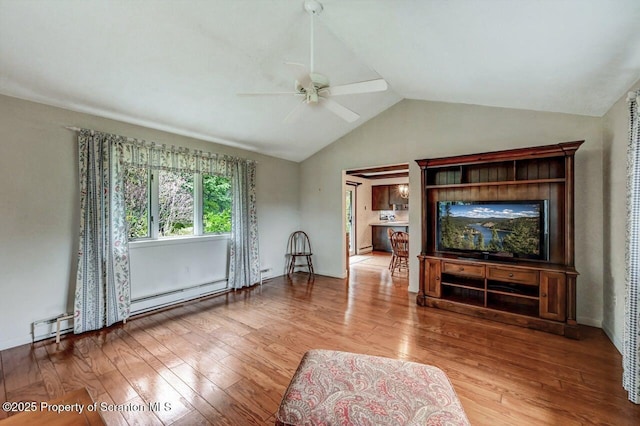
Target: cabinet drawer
521,276
463,269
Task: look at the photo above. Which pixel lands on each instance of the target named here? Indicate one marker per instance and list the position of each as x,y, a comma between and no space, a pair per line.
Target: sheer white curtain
631,338
102,285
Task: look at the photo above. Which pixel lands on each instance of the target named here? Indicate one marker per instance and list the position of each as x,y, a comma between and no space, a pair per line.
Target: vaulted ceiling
179,65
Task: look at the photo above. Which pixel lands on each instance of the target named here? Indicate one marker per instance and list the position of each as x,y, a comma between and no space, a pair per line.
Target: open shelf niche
538,294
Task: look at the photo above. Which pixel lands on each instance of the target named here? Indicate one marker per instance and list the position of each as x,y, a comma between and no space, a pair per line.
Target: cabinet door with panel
553,295
380,197
380,239
394,196
432,278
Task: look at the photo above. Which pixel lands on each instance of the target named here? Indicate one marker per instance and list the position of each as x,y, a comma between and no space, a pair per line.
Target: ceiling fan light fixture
318,80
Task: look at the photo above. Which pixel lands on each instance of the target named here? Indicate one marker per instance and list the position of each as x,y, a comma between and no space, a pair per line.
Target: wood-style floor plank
3,392
74,370
20,370
227,360
52,382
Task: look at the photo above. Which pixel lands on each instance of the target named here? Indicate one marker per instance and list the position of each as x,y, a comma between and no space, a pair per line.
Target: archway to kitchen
375,200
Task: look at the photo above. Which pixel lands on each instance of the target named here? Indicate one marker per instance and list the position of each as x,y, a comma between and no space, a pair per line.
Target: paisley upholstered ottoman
341,388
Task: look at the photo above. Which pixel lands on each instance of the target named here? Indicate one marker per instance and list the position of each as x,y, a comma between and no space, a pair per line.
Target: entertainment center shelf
509,182
538,292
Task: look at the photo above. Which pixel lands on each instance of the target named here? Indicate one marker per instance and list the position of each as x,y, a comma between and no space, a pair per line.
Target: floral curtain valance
141,153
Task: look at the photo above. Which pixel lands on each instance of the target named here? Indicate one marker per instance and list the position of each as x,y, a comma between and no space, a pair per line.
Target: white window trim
185,239
154,207
198,226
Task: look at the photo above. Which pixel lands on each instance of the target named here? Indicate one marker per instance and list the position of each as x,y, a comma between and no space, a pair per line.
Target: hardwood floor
228,359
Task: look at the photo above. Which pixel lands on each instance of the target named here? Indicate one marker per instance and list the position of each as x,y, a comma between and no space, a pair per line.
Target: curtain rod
77,129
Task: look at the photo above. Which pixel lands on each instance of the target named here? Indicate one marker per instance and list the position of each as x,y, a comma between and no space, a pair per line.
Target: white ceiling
178,65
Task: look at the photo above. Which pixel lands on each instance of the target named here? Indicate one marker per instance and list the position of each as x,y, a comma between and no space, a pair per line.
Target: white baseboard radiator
162,300
63,324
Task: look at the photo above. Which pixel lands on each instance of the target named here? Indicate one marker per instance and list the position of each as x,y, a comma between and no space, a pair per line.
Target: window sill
190,239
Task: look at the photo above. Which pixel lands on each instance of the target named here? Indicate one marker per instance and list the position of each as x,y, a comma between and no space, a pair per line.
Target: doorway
365,214
350,224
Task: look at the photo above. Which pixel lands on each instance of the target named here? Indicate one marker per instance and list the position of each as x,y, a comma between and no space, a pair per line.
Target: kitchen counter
379,237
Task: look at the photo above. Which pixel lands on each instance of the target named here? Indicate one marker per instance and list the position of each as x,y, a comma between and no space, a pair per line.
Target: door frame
354,217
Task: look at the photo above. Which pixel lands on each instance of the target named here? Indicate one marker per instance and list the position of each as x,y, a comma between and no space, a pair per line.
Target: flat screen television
501,229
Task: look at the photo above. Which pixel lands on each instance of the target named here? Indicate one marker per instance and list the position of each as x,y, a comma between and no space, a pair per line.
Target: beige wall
39,212
39,216
413,130
615,139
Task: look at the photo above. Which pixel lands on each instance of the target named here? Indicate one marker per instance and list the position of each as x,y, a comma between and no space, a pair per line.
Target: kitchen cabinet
384,197
394,196
380,197
380,238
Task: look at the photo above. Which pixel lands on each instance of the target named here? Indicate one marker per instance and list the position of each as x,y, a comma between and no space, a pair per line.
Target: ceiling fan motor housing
312,6
319,81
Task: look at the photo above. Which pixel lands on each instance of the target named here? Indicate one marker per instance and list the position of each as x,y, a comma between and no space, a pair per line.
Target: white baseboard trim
590,322
612,336
17,341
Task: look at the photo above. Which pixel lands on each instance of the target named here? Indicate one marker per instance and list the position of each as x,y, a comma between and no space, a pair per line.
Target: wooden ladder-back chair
299,246
400,246
390,232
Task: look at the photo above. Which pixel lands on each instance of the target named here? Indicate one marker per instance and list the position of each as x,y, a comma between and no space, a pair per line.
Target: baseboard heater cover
63,324
156,301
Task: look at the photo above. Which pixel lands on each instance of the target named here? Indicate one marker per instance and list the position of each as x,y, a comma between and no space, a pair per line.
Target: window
216,204
183,203
137,198
175,203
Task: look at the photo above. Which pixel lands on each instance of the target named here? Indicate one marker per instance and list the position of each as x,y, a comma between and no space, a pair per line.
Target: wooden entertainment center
539,294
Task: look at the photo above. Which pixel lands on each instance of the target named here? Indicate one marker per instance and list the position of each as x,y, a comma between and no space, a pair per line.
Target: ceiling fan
315,88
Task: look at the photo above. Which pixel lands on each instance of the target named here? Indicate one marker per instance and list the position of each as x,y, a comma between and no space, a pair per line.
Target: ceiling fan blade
299,71
298,66
339,110
378,85
271,94
294,113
